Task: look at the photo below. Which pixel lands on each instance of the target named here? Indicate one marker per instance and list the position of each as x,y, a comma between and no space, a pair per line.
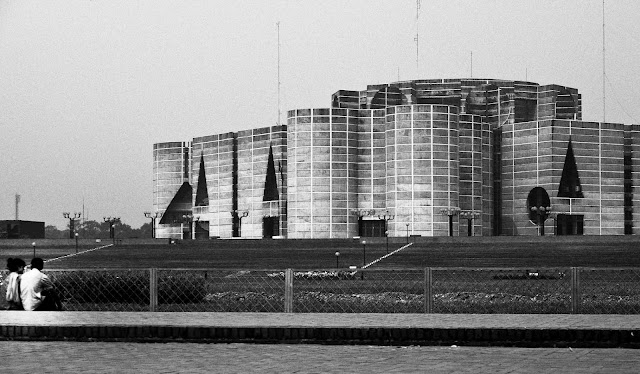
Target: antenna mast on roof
604,91
278,29
417,39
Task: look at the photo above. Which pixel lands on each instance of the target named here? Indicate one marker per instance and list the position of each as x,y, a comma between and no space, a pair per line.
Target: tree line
98,230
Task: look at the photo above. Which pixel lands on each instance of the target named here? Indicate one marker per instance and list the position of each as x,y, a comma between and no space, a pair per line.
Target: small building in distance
18,229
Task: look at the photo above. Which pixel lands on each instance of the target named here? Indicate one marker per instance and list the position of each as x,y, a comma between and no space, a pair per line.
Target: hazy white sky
87,87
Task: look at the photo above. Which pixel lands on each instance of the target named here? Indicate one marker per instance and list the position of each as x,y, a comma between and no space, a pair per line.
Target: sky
88,86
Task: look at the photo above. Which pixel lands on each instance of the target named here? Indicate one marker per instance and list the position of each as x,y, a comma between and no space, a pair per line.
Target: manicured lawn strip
622,251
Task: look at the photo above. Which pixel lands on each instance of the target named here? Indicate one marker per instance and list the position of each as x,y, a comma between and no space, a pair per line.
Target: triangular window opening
271,181
202,196
570,181
179,205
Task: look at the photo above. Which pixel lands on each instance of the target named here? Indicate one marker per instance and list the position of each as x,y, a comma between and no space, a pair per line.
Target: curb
399,336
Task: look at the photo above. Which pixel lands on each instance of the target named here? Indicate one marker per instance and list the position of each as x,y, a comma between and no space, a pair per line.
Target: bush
130,287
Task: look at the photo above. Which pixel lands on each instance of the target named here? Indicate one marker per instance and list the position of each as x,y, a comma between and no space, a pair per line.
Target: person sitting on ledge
16,268
36,289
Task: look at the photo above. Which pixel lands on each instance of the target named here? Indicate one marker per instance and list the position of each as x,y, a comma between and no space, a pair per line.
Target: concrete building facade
426,157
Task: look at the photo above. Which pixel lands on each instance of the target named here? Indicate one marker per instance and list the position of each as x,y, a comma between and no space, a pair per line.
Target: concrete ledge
606,331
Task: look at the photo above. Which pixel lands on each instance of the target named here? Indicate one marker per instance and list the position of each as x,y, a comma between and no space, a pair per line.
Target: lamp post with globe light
153,217
469,215
187,219
407,233
72,220
364,257
450,212
238,215
112,228
386,216
542,213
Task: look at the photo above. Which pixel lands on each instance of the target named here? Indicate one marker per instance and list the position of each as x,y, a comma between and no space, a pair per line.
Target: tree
94,229
146,230
52,232
99,230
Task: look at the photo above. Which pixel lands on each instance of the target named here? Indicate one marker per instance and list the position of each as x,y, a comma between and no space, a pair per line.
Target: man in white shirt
36,289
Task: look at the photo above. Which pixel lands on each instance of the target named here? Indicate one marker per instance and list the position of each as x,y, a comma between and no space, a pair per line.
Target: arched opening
388,96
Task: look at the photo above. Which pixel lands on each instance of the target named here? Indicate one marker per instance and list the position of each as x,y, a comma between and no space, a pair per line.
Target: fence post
428,291
153,289
575,290
288,291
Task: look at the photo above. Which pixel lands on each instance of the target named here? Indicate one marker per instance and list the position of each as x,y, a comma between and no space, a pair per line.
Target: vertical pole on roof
278,27
604,91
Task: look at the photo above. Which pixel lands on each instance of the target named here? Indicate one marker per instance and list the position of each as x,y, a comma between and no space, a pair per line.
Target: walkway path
101,357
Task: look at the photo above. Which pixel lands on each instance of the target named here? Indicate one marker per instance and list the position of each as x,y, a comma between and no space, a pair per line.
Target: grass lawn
525,252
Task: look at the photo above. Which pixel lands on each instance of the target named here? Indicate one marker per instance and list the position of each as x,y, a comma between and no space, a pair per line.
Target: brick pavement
124,357
379,329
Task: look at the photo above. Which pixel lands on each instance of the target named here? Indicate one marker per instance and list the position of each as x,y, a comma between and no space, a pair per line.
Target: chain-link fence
428,290
463,290
609,291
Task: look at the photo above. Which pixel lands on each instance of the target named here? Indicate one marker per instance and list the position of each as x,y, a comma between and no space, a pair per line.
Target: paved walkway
101,357
539,330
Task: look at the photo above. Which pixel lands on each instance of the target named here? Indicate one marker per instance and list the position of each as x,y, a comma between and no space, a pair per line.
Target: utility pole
604,76
417,39
279,111
17,202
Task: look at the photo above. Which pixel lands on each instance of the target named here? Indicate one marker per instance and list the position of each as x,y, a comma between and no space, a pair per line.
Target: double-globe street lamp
153,217
450,212
72,219
187,219
386,217
541,213
112,228
360,213
469,215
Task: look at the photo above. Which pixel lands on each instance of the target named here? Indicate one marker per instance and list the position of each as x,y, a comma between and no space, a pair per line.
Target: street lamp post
554,217
360,213
188,219
153,217
386,234
386,217
542,213
450,212
76,235
239,215
112,228
337,260
72,218
469,215
34,249
364,257
407,233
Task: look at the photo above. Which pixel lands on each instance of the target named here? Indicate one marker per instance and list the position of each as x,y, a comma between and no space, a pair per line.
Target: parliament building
436,157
